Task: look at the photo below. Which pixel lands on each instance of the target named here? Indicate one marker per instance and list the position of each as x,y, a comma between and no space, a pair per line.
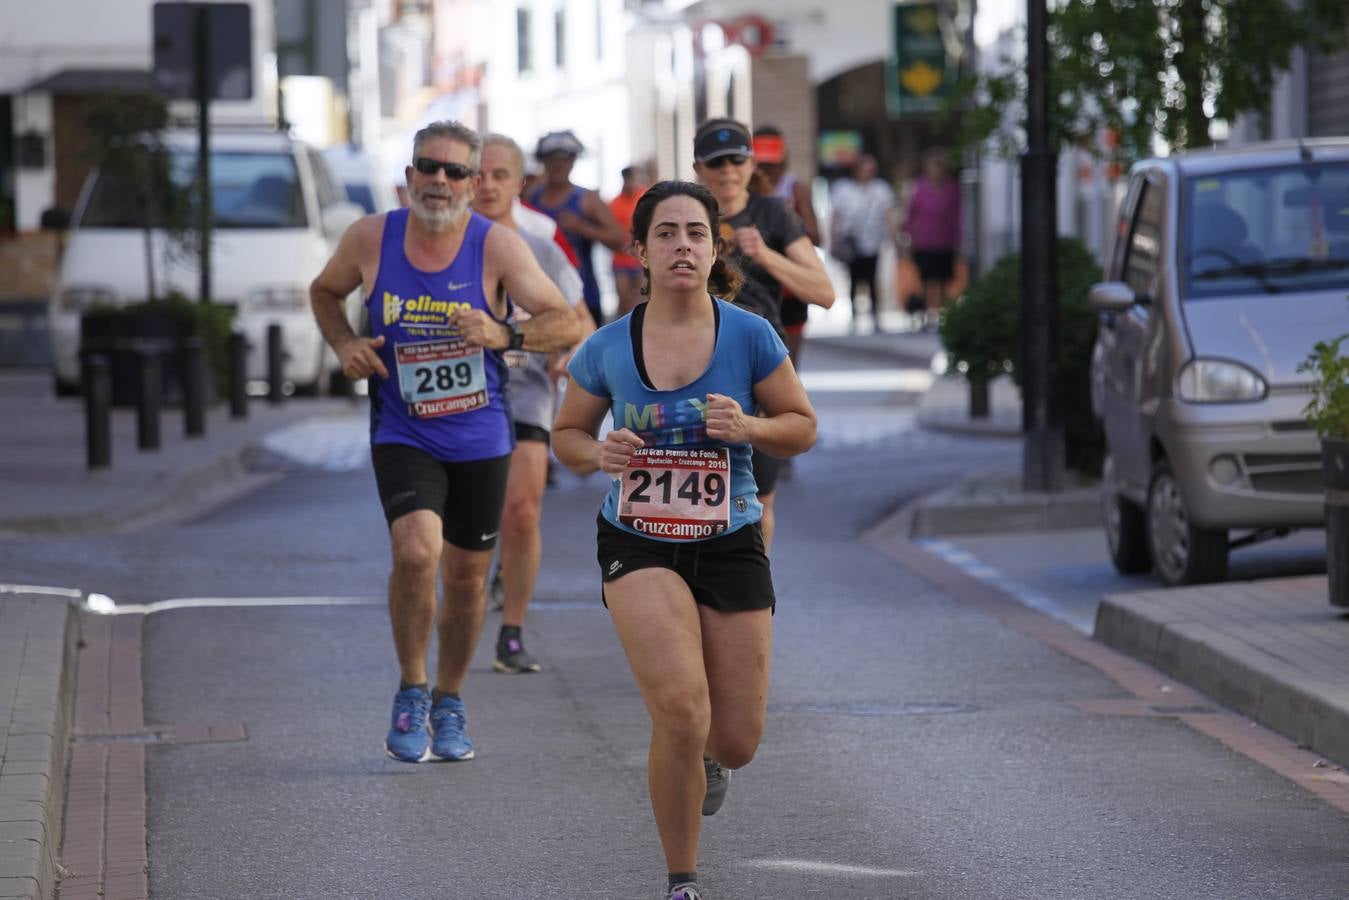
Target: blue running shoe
408,740
450,728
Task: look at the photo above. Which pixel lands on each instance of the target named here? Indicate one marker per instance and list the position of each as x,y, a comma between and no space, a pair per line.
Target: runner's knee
520,518
415,554
682,711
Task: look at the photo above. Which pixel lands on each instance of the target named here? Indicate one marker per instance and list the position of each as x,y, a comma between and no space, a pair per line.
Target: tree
1146,69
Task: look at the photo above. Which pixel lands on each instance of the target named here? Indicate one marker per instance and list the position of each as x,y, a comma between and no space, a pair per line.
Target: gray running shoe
686,891
513,658
718,780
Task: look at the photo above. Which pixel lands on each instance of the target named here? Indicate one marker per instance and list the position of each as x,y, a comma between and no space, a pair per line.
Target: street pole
202,79
1042,454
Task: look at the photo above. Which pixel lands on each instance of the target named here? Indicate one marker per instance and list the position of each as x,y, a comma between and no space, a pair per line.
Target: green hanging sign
919,75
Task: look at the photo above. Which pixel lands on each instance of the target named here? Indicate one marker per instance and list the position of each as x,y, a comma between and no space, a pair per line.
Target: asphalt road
915,748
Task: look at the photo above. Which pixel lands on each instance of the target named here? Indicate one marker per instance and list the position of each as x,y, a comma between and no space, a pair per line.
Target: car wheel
1182,552
65,388
1126,531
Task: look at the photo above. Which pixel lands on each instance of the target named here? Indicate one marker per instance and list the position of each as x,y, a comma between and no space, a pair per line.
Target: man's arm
327,299
552,324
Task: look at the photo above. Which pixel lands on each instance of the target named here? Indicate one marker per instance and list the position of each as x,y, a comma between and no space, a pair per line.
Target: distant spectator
932,229
863,221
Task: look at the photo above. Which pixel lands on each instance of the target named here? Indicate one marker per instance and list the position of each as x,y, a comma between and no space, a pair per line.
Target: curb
1312,712
901,354
41,635
965,509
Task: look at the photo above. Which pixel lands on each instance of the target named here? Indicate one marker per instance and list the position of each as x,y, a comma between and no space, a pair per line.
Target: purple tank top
438,397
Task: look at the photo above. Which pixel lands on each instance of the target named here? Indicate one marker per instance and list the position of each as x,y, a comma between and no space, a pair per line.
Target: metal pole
96,376
194,388
238,376
148,398
202,77
1042,459
275,363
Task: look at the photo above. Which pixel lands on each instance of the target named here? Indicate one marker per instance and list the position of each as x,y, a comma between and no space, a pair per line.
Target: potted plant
1328,413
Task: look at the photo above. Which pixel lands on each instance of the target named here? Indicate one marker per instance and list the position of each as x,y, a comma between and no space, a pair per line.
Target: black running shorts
728,573
468,496
766,469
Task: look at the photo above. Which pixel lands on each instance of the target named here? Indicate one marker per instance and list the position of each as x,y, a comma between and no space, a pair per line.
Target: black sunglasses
453,170
735,159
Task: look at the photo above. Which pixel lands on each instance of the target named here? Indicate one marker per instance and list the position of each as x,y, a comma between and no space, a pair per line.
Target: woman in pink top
932,226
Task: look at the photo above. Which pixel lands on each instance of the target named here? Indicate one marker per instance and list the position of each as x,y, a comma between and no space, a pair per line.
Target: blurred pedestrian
696,625
770,158
531,392
863,221
435,277
931,229
627,270
582,215
768,243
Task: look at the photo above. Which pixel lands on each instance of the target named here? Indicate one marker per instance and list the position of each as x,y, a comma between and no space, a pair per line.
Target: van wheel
1126,529
1182,552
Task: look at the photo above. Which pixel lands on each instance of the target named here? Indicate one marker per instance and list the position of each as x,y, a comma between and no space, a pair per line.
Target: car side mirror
339,216
1112,297
55,219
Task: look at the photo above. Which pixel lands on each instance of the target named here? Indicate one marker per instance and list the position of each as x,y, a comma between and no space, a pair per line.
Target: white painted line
125,609
810,865
39,589
910,380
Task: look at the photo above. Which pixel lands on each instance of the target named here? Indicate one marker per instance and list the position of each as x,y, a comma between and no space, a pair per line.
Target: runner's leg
737,647
770,520
461,616
415,539
657,621
521,543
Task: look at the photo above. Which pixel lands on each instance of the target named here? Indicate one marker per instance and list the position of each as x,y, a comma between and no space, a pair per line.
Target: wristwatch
517,337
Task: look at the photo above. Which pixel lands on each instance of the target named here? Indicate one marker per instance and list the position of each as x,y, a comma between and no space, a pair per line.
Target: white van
278,215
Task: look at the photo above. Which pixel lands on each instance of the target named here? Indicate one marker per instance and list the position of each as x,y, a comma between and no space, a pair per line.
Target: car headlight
286,298
1219,381
80,297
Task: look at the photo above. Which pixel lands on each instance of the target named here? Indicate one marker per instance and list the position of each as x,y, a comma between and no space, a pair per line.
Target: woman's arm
786,426
574,431
799,270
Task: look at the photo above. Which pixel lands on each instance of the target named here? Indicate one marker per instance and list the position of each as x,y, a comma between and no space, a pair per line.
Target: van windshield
1265,231
248,190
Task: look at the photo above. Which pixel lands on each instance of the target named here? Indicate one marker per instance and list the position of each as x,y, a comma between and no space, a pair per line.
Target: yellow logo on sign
920,78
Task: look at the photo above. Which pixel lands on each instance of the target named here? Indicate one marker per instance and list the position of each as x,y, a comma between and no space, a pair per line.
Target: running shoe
686,891
513,658
408,740
450,729
496,593
718,780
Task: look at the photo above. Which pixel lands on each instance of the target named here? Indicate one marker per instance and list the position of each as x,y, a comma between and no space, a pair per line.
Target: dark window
524,61
248,190
560,37
1145,241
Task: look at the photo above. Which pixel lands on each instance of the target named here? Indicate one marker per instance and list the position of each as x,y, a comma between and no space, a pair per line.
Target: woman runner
680,549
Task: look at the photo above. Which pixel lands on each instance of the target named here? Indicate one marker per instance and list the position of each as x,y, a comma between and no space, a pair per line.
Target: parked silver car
1227,267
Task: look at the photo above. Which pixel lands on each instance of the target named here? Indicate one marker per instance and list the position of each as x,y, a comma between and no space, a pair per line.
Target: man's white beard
439,219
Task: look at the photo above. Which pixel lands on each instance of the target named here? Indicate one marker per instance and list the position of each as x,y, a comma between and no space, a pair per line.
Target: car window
248,190
361,195
1266,231
1145,240
325,186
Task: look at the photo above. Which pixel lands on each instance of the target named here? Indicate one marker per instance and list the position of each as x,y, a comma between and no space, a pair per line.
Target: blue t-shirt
438,397
747,351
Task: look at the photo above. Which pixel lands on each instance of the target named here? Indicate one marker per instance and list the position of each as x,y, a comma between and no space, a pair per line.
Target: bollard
275,357
1335,474
148,397
194,387
238,376
96,377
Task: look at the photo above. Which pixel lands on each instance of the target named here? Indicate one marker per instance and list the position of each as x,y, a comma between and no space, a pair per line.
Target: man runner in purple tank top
440,429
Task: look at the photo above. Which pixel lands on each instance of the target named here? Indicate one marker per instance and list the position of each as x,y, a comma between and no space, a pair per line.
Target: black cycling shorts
468,496
729,573
524,432
766,469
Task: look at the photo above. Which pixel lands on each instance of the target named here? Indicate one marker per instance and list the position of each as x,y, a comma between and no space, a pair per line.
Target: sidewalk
46,489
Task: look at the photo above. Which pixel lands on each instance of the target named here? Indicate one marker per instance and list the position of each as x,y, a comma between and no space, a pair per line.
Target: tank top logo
421,310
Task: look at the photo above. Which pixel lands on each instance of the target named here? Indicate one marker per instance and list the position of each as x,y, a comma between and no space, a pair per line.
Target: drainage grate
869,710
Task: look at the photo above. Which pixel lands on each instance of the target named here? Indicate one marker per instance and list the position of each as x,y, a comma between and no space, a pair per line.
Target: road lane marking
827,868
70,593
105,606
913,381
